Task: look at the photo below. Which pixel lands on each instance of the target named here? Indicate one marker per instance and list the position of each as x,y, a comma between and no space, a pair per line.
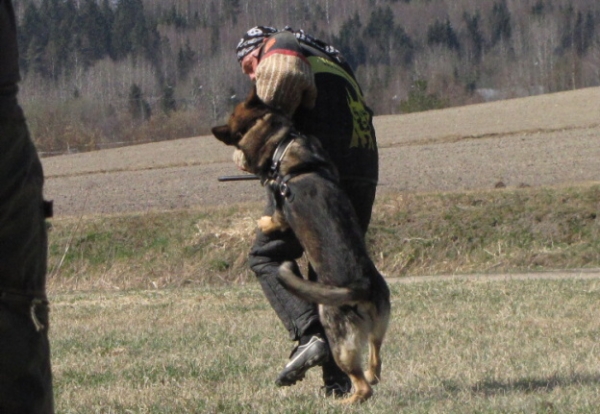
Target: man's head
248,48
252,40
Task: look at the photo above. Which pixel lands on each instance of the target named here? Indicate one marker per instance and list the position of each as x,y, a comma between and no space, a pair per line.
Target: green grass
453,347
158,313
508,230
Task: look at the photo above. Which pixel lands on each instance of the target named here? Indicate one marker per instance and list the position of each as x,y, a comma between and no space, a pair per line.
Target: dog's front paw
266,224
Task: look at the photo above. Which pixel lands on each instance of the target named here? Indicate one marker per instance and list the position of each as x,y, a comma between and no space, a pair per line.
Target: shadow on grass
451,389
530,385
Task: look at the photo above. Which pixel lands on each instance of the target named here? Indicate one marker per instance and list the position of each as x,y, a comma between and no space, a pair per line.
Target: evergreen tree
403,46
95,32
232,10
108,16
186,58
500,23
350,43
168,103
584,32
215,38
173,18
152,43
128,29
442,34
577,31
539,8
35,58
387,43
33,37
59,19
139,108
419,100
474,36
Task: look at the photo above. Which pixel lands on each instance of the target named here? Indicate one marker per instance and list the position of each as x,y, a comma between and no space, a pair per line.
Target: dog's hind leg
348,359
373,374
376,336
362,389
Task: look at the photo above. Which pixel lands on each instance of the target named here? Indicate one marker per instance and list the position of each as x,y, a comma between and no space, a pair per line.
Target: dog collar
277,182
280,151
274,179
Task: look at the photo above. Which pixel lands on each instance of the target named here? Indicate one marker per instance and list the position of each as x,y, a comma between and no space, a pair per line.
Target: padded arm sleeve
284,78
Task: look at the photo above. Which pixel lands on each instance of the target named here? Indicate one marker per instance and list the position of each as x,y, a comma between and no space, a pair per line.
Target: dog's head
244,116
252,128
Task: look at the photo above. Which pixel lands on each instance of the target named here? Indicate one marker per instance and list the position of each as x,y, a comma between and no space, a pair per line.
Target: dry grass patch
508,230
453,347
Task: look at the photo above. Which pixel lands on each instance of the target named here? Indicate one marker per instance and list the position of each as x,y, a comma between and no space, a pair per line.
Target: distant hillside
540,141
102,73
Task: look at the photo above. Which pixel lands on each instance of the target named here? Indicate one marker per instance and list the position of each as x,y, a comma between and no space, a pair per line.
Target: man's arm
284,78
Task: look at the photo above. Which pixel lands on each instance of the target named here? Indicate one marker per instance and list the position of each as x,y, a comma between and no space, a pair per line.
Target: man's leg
362,197
300,318
25,373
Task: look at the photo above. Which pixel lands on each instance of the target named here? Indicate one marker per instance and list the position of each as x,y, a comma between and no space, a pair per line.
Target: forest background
105,73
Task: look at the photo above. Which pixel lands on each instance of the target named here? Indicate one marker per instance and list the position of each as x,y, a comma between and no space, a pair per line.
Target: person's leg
25,372
300,318
362,197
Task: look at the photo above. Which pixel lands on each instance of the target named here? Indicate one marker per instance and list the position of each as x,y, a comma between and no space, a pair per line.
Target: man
25,373
312,83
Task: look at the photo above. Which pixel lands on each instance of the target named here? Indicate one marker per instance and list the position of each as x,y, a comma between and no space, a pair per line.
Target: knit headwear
302,37
252,40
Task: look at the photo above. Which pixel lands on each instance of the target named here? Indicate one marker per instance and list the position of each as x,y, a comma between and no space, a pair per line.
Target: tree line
100,72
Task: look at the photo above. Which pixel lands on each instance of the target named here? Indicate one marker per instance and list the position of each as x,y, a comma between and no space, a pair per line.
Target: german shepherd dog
353,297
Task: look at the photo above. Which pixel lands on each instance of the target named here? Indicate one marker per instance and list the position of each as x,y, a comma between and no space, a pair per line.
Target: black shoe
314,352
337,390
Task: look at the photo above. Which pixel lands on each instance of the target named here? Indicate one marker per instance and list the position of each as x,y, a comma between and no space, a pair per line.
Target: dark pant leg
362,196
266,255
25,372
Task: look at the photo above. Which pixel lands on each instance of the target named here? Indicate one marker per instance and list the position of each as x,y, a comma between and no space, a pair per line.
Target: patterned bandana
316,43
254,38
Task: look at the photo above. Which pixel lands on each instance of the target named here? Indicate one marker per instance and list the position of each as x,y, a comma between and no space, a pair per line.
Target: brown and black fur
353,297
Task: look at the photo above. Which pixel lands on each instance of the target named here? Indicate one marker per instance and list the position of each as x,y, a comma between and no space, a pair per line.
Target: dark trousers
271,250
25,372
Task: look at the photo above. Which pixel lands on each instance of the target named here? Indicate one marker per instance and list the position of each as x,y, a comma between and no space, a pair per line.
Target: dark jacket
340,117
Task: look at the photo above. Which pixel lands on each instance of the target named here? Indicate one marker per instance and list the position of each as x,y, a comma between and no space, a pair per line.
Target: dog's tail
317,292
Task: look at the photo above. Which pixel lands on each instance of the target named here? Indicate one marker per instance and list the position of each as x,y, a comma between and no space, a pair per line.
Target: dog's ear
223,134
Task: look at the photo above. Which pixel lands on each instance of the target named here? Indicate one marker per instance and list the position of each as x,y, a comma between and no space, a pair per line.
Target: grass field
493,231
155,311
453,347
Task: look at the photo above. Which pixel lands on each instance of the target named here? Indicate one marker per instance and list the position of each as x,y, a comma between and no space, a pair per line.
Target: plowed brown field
537,141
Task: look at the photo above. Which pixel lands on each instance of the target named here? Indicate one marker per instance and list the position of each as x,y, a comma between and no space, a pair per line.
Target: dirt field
537,141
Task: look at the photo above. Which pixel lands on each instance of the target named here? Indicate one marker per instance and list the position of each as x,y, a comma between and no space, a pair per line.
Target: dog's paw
372,378
240,160
266,224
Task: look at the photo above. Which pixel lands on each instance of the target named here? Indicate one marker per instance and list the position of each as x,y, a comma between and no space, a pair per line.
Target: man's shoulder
281,41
